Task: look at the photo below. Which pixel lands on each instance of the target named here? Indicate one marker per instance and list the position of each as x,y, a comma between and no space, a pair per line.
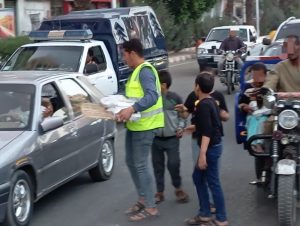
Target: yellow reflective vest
152,117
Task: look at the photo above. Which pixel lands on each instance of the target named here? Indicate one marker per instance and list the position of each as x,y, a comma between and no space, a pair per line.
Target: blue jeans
138,147
195,155
166,146
210,178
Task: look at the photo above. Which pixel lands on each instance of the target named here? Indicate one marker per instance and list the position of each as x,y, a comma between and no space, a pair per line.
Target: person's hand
47,112
125,114
180,108
247,108
179,132
202,164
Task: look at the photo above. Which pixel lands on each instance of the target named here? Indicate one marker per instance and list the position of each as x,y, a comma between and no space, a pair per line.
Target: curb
183,55
176,59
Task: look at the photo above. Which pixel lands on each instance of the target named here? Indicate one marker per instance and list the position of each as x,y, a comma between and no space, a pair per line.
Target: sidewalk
182,55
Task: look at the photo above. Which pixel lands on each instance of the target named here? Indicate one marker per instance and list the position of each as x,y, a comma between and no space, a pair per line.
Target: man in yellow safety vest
143,86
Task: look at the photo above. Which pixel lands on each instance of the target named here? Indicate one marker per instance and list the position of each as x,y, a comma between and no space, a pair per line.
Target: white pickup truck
67,56
207,52
63,43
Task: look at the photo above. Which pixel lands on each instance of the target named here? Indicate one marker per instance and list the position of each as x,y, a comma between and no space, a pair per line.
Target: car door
89,130
56,159
104,79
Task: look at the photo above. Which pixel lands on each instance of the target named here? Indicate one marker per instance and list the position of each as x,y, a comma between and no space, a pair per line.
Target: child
166,142
209,135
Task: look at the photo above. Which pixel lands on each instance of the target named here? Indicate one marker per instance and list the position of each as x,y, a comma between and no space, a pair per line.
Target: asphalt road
84,203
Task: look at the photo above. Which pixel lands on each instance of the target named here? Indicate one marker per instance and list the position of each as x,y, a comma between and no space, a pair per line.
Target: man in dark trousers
143,86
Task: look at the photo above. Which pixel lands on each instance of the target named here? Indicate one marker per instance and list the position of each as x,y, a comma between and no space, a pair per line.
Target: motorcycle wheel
286,200
228,82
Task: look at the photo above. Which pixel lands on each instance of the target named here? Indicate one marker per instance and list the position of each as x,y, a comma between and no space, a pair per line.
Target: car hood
8,136
208,45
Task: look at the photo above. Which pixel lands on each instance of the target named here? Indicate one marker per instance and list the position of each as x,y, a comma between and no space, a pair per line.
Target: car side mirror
90,69
203,39
51,123
266,41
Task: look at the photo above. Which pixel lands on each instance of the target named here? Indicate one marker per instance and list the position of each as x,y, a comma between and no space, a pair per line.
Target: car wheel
106,161
20,202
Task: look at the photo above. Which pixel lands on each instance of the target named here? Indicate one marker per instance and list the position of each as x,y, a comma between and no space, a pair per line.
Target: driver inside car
233,43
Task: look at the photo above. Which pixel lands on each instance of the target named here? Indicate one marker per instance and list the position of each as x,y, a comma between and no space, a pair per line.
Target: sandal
137,207
181,196
159,197
220,223
143,215
196,220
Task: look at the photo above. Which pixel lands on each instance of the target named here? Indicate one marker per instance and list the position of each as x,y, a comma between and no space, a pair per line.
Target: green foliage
185,10
179,33
9,45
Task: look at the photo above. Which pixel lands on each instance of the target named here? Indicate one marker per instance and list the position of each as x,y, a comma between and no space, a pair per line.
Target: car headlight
202,51
229,56
288,119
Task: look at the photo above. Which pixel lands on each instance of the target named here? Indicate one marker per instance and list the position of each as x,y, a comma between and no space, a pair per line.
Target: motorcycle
230,73
281,169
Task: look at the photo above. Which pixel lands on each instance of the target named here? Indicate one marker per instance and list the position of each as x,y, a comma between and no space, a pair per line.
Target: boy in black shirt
209,136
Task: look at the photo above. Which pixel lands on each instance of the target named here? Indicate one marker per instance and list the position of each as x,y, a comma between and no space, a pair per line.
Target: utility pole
113,3
257,18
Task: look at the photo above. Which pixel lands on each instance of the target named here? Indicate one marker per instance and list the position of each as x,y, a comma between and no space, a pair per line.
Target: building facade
28,14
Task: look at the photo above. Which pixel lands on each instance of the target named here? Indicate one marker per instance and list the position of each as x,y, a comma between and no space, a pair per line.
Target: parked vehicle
230,73
39,153
290,26
207,52
65,41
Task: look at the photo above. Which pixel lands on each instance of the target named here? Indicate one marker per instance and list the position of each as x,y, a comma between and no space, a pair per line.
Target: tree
184,10
229,8
249,12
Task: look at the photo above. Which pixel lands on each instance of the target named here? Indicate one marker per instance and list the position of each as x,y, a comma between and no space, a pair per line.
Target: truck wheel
286,200
106,161
20,201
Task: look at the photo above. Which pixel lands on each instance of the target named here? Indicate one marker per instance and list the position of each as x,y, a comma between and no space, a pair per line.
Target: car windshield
220,34
45,58
16,101
288,29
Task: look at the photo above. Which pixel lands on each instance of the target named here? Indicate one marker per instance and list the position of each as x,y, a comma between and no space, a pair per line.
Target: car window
16,101
99,57
52,103
242,34
217,35
288,29
76,94
45,58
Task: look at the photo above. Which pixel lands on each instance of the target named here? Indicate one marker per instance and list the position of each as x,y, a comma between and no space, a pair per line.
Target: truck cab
113,27
62,44
207,52
66,52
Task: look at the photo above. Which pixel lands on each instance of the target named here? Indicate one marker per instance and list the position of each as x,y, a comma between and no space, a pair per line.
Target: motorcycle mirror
269,101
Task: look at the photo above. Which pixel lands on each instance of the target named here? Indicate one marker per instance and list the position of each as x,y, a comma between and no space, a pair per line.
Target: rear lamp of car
61,35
